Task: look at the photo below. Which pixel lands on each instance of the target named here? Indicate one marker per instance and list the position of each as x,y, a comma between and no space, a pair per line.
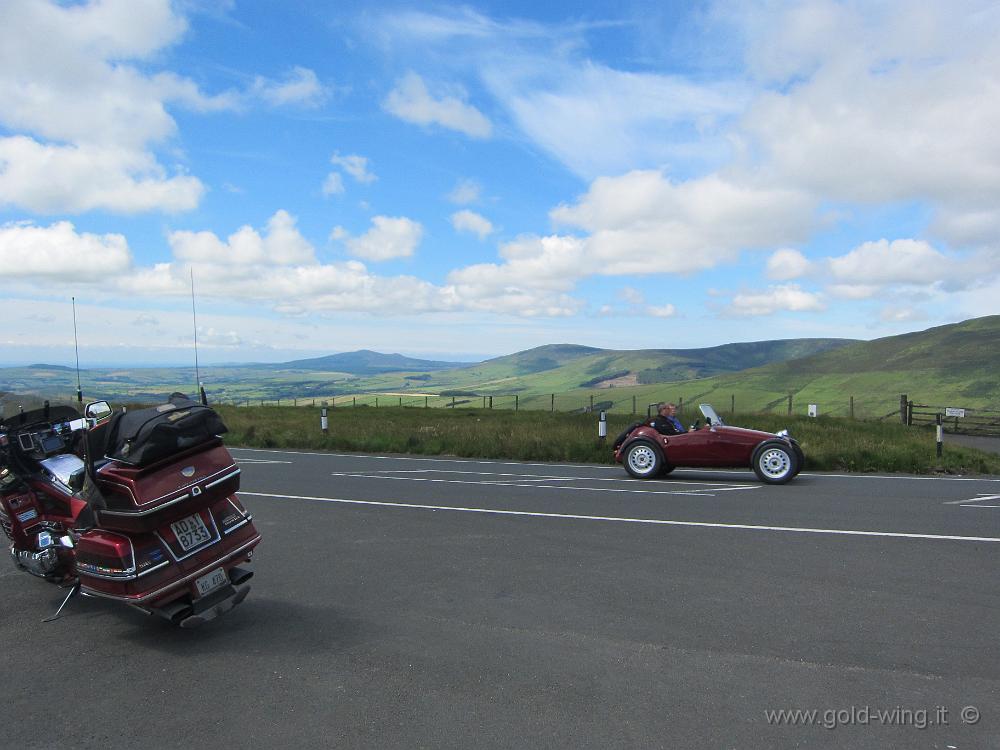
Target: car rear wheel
775,463
643,461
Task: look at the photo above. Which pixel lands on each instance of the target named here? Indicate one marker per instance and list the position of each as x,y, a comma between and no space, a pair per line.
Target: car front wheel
643,461
775,463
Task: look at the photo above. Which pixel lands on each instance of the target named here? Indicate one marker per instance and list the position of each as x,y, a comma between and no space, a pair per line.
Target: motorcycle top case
141,499
145,436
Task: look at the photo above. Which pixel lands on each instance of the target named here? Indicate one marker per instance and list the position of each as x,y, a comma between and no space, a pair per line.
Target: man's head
666,409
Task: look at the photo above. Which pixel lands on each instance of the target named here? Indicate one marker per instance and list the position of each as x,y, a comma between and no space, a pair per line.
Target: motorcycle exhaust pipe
175,612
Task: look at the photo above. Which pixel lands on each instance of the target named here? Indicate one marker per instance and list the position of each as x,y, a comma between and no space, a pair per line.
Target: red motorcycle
138,507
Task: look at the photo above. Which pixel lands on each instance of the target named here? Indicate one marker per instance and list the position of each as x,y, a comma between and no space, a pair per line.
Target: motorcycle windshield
710,416
20,409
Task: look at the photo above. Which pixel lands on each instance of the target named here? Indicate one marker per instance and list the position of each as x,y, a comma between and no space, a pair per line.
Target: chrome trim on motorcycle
183,581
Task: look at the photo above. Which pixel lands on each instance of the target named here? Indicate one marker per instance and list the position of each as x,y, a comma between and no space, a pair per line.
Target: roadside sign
953,412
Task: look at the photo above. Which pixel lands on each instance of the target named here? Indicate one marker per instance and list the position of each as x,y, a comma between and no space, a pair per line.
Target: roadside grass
829,443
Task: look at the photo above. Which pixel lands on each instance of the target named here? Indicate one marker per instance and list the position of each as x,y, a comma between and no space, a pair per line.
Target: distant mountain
958,348
363,362
58,368
951,365
541,358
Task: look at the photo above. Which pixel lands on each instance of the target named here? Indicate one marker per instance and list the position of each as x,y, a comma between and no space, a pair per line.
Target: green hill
952,365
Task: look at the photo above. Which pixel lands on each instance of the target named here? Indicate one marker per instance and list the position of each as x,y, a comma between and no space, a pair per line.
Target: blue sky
469,180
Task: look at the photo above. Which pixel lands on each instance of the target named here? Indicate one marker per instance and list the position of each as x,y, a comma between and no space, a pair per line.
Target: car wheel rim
775,463
641,459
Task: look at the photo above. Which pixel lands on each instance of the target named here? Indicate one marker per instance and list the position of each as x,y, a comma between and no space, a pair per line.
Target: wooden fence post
552,403
902,408
591,401
515,402
633,405
732,404
852,407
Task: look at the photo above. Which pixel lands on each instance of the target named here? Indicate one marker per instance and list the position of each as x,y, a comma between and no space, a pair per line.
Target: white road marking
606,467
539,477
261,461
643,521
981,497
694,493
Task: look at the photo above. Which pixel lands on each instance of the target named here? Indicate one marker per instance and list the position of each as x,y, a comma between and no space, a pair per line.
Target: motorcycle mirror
97,410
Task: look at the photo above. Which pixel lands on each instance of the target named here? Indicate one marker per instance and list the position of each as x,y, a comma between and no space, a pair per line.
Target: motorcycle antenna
194,318
76,346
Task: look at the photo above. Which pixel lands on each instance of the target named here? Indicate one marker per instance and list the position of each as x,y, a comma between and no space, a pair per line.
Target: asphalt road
422,602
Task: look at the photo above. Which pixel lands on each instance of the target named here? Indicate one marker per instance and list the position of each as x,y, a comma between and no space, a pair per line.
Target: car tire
800,458
666,469
643,460
775,462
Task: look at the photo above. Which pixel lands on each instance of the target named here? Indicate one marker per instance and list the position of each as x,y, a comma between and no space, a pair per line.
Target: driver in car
666,422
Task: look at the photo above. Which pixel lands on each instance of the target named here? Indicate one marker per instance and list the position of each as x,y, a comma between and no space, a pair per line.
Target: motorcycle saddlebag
145,436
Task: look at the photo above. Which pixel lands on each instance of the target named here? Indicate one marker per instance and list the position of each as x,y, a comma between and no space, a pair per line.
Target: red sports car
774,457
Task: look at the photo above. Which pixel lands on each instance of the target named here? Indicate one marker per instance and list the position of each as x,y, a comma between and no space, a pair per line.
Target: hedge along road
399,601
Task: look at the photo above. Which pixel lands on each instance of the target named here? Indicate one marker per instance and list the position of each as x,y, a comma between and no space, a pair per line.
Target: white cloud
280,245
897,262
533,281
58,254
333,184
356,166
643,223
901,314
599,121
390,237
786,264
300,87
661,311
875,103
465,192
470,221
83,112
631,295
49,179
781,298
411,101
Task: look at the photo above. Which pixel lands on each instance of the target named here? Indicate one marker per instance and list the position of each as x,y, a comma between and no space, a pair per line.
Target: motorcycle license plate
190,532
216,579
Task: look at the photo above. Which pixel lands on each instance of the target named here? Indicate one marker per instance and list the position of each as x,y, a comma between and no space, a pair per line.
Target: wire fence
563,402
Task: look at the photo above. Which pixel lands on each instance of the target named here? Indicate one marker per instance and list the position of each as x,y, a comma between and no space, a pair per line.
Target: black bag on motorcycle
146,436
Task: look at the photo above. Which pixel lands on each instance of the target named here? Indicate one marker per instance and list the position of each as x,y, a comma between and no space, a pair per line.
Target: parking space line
641,521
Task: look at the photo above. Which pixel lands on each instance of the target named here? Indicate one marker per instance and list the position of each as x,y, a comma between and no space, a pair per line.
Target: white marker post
940,435
602,426
324,423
